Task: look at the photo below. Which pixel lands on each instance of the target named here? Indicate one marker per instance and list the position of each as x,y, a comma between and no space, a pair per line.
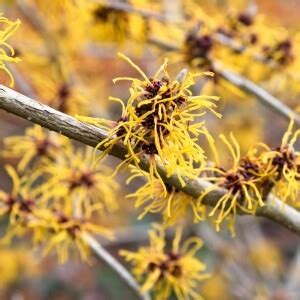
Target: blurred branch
47,117
109,260
175,19
261,94
244,84
123,6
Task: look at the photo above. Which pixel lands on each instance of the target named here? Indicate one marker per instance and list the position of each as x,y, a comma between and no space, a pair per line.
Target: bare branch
108,259
261,94
47,117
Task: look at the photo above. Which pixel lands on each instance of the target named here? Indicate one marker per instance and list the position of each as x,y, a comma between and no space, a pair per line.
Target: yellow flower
173,206
158,122
216,287
266,248
108,24
285,161
243,183
37,143
55,7
200,50
165,272
7,53
48,223
71,179
61,95
66,231
198,47
22,207
281,52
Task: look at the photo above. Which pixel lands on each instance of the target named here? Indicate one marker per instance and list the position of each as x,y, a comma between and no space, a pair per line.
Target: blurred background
68,51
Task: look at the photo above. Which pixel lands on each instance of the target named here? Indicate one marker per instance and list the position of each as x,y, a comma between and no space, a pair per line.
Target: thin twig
261,94
122,6
108,259
47,117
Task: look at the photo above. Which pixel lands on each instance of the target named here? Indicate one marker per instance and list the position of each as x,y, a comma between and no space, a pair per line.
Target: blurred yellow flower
168,272
72,180
35,144
22,207
50,225
66,232
109,24
15,264
262,249
215,288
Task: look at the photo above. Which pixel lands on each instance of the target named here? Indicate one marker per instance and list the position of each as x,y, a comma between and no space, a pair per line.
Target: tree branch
47,117
261,94
108,259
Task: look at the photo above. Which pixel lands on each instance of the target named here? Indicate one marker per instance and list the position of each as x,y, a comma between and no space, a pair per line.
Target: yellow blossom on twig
33,146
72,180
160,121
285,162
165,272
243,183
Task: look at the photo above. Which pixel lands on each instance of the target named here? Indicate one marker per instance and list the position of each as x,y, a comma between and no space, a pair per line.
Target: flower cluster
73,180
242,182
203,43
165,272
285,163
198,47
158,121
59,196
33,147
246,183
251,178
281,52
7,53
110,24
244,42
49,224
